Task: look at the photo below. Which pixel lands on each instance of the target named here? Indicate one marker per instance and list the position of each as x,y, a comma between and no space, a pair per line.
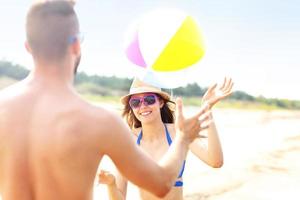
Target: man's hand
189,128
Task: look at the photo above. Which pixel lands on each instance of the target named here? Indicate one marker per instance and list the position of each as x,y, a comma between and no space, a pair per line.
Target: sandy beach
261,151
261,159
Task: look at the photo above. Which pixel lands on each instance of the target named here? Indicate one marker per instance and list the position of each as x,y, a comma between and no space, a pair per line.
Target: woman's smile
145,113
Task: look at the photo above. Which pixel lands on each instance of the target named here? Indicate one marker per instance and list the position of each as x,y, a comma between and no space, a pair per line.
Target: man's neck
52,75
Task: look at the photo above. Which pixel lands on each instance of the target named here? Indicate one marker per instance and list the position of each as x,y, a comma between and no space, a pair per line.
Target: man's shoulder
106,125
97,112
11,92
101,117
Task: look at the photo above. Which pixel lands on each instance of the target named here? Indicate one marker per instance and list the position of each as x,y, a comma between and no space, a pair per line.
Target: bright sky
255,42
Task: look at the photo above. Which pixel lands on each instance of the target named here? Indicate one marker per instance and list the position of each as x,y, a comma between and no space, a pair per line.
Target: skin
154,143
52,141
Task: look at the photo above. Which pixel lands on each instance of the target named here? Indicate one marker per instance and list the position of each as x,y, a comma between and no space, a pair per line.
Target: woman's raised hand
214,94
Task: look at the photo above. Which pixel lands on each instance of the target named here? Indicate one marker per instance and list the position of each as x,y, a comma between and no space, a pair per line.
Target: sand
261,151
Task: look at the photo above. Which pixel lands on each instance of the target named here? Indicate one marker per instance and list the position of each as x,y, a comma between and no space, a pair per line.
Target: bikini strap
178,183
168,135
138,141
182,170
170,142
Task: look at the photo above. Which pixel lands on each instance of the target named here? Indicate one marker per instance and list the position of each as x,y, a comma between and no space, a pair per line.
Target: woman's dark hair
166,113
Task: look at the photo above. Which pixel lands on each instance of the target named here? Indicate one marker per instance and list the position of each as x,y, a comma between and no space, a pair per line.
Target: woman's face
146,106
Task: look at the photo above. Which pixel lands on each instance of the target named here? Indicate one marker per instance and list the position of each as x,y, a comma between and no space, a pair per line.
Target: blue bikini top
178,183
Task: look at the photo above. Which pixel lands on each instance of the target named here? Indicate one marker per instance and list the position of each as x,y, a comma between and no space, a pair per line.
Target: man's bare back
52,141
49,143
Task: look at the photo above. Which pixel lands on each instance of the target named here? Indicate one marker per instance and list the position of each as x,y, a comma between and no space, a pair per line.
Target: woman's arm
116,186
210,150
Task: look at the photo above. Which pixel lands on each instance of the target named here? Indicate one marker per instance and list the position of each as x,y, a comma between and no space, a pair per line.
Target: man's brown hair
51,26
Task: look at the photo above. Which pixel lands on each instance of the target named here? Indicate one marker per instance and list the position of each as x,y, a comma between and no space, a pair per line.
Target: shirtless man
52,141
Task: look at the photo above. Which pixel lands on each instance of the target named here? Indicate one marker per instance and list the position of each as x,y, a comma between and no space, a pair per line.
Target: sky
256,42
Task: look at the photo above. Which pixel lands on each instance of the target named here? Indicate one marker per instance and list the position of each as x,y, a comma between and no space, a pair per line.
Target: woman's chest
156,150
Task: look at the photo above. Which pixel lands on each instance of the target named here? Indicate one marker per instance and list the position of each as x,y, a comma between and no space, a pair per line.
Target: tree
13,71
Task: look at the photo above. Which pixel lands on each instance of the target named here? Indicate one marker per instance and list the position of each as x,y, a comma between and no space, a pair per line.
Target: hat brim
124,99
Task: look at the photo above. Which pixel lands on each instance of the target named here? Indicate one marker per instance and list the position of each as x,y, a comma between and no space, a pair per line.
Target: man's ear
27,47
75,48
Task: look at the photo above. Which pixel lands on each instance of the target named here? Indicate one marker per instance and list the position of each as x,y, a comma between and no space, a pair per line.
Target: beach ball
165,40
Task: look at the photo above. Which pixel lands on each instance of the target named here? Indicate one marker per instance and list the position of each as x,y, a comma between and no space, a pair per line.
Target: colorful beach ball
165,40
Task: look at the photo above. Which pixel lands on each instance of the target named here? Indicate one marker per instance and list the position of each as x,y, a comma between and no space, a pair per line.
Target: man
52,141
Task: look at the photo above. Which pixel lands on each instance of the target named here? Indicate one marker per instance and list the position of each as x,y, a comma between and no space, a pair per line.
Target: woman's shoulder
171,129
170,125
136,131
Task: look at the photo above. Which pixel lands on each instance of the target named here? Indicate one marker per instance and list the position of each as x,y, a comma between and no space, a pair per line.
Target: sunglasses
136,102
78,37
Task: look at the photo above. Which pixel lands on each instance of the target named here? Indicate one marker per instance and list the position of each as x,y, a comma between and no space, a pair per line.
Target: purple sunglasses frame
142,100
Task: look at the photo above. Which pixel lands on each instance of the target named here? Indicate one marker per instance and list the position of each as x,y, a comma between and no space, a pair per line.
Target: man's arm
139,168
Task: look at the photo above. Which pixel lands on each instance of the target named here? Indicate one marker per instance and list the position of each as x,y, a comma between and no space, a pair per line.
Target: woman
148,112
